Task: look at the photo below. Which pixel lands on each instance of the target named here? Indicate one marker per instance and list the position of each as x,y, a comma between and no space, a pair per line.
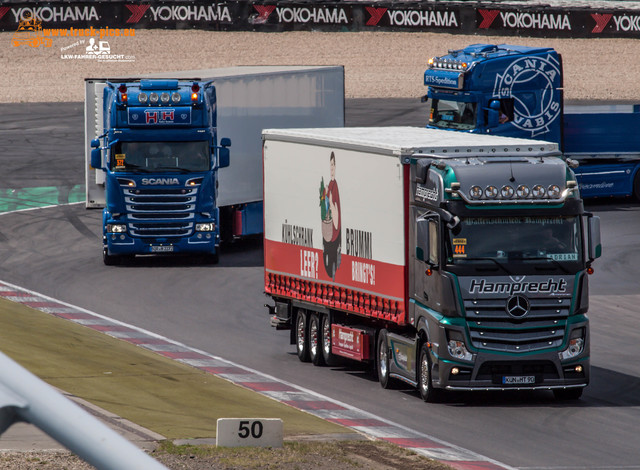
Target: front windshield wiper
175,168
498,263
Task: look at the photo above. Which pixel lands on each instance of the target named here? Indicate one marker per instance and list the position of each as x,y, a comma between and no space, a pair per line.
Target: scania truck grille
160,212
542,327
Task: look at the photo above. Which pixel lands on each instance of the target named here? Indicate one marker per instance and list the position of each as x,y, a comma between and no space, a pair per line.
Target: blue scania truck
158,152
517,91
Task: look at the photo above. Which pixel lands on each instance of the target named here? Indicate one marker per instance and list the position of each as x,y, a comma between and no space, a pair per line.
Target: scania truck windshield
160,157
453,114
501,241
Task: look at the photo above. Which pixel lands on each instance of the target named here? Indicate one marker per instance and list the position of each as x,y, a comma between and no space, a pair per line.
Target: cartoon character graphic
30,33
331,221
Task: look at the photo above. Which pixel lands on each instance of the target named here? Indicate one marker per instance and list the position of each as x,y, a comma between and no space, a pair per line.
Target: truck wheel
382,360
327,355
109,260
568,394
212,258
315,340
636,186
302,336
425,385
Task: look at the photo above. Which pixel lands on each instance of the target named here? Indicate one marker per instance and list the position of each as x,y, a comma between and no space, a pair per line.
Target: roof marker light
491,192
553,191
475,192
123,92
538,190
507,192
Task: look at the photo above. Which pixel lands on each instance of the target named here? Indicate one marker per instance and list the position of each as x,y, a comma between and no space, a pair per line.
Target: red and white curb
284,392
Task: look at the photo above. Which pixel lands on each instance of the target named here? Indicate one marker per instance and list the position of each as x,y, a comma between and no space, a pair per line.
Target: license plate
518,379
161,248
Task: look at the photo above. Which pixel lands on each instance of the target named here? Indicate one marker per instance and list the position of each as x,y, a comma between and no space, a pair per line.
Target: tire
212,258
302,336
636,186
109,260
425,384
325,328
315,340
383,360
568,394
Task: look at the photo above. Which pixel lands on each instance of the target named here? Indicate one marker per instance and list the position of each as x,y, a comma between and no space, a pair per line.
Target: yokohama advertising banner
558,23
538,20
414,17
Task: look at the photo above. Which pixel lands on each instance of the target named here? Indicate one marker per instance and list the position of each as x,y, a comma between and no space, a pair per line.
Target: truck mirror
595,246
95,143
96,158
493,114
422,168
225,142
223,157
427,241
422,239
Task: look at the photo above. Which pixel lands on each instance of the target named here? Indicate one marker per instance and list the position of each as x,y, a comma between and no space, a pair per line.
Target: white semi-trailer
175,158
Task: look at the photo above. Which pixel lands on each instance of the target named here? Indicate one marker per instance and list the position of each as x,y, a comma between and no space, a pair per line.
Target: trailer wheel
327,355
567,394
302,336
425,385
315,340
382,360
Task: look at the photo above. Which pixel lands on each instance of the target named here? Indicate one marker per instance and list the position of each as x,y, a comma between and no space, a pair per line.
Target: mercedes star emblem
518,306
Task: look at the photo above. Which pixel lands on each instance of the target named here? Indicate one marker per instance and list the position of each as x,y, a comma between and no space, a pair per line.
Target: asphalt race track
219,309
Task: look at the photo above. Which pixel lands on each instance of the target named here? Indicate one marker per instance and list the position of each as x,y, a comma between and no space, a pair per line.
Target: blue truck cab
517,91
160,155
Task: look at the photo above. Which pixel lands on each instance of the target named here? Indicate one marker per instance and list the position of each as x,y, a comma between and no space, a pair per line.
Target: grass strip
165,396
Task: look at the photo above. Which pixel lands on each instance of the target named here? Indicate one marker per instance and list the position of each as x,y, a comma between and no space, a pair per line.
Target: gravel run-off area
377,64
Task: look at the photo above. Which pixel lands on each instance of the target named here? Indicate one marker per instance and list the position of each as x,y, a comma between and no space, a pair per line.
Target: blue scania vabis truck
175,159
517,91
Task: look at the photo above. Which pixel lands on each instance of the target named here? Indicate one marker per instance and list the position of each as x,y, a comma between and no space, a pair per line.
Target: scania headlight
576,345
206,227
116,228
456,347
